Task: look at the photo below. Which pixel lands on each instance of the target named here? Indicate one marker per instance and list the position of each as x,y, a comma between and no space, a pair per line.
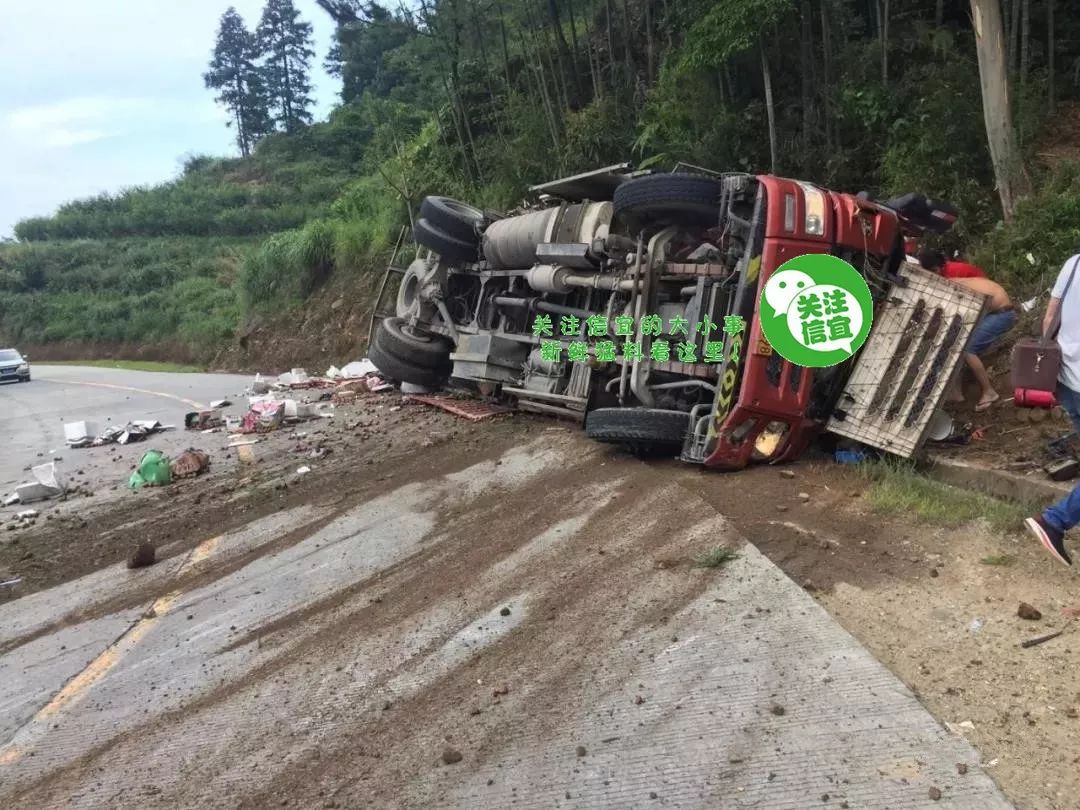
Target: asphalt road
525,630
32,415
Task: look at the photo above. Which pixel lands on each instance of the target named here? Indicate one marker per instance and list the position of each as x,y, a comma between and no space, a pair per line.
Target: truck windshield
9,356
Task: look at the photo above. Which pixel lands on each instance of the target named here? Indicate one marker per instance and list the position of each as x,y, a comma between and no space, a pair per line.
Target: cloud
74,121
120,97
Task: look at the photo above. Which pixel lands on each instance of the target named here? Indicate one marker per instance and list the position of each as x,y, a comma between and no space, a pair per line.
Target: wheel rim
410,288
410,332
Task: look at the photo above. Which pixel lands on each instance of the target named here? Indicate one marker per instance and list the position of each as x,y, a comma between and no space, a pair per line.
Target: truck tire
678,199
643,430
448,247
397,339
397,369
454,218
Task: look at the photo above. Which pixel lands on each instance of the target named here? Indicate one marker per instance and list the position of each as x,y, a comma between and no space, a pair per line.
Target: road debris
11,583
297,376
259,386
303,470
47,484
203,420
264,416
1029,612
450,756
26,518
134,431
354,370
469,409
153,470
190,463
1032,642
80,434
144,555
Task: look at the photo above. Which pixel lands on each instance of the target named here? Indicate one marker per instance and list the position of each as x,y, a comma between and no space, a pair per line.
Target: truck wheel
449,247
678,199
397,339
397,369
456,219
643,430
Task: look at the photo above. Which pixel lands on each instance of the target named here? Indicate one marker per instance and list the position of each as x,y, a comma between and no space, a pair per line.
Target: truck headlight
24,367
814,223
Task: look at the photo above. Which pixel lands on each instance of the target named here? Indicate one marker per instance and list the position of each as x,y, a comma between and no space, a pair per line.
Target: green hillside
478,102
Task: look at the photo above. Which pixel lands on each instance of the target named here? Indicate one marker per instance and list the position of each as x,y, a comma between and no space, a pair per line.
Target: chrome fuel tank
511,243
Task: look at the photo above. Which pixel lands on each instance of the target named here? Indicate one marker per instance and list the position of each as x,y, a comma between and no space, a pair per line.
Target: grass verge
130,365
897,488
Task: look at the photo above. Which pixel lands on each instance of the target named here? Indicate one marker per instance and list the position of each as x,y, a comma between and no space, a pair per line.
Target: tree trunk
1050,54
241,97
805,68
610,45
558,75
990,44
505,49
575,54
884,41
650,43
459,127
826,90
769,110
241,139
627,46
939,13
1025,37
594,62
562,49
1014,36
535,67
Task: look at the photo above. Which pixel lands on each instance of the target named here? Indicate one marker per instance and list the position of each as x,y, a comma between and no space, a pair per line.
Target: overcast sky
97,96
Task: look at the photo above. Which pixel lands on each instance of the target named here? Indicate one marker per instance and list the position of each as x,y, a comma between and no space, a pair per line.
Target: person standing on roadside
990,328
1064,308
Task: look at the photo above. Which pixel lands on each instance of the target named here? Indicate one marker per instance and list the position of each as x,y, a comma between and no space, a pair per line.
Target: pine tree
234,74
285,43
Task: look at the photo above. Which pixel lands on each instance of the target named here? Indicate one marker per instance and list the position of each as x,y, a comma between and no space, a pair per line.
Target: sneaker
1052,540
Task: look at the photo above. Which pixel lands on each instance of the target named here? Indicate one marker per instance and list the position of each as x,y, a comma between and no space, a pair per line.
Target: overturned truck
640,259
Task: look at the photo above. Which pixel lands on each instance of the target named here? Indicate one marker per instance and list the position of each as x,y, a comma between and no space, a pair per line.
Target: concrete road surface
524,631
32,415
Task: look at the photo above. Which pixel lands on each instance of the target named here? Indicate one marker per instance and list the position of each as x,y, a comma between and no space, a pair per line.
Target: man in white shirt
1049,528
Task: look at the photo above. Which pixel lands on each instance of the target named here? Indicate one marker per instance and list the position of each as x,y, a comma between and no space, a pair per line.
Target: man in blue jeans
1049,528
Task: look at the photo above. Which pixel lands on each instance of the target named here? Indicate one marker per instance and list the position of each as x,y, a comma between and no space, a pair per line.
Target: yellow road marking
201,552
189,402
97,669
78,686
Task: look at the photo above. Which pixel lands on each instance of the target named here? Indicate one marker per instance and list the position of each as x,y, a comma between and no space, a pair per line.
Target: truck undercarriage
638,282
